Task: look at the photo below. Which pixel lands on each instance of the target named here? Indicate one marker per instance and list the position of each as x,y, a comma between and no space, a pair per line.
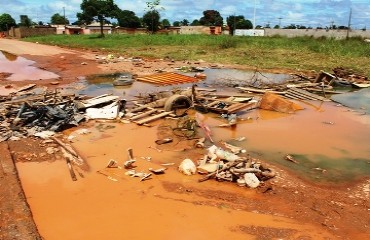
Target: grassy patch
301,53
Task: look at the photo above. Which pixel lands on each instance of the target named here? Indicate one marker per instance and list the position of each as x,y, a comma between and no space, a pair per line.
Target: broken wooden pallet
295,93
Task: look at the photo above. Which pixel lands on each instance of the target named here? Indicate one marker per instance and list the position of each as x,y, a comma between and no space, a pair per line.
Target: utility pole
234,24
332,25
349,23
280,21
64,15
254,15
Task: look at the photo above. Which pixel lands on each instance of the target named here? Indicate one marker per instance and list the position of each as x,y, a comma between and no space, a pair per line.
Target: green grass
301,53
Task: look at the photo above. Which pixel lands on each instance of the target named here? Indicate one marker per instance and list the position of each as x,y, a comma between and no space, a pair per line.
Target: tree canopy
165,23
195,23
151,17
97,10
151,20
6,22
184,22
238,22
58,19
128,19
211,18
25,21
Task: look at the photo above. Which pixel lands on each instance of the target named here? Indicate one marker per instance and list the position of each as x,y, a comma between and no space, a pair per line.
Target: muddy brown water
95,207
329,141
21,68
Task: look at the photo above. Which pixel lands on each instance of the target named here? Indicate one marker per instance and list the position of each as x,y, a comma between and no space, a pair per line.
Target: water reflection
357,100
21,68
221,79
9,56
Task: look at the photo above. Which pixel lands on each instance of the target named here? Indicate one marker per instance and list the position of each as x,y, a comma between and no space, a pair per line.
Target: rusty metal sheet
167,79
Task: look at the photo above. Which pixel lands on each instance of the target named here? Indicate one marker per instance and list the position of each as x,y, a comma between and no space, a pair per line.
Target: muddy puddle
330,142
169,206
20,69
223,79
357,99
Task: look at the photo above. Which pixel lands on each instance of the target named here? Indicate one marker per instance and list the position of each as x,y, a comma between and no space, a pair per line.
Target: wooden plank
291,96
153,118
241,107
255,90
308,94
138,109
326,91
144,114
300,95
213,103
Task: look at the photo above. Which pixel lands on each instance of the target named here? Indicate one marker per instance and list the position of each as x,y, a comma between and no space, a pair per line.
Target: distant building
125,30
74,30
95,28
210,30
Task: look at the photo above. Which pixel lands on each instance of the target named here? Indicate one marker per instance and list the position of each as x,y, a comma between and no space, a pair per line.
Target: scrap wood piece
107,175
71,171
141,115
256,90
240,106
76,158
290,158
324,76
274,102
24,88
105,98
325,91
153,118
298,95
167,78
307,94
67,148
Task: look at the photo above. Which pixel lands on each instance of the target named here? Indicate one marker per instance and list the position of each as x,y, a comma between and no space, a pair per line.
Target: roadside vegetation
263,53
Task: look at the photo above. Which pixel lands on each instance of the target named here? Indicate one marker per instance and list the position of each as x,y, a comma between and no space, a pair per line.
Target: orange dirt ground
169,206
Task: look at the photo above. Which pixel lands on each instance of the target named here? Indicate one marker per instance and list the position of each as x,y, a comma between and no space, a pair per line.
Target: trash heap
26,115
227,166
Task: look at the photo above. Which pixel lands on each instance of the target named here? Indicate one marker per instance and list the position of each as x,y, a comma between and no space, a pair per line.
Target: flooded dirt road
302,202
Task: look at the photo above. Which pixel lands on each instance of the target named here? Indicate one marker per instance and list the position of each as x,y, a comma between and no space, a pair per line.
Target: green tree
165,23
291,26
211,18
238,22
97,10
176,24
185,22
58,19
6,22
128,19
25,21
151,20
152,16
195,23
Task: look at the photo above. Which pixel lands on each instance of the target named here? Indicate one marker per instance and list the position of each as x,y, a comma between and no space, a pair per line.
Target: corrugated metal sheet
167,79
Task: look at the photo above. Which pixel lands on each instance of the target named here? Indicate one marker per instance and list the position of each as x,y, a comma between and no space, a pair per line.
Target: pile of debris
25,113
227,166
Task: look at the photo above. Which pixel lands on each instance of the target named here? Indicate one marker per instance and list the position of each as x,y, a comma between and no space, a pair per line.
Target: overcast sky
311,13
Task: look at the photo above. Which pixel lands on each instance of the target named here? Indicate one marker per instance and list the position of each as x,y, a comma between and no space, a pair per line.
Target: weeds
305,53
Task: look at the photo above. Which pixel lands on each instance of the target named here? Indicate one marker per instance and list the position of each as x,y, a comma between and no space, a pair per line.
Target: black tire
177,103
